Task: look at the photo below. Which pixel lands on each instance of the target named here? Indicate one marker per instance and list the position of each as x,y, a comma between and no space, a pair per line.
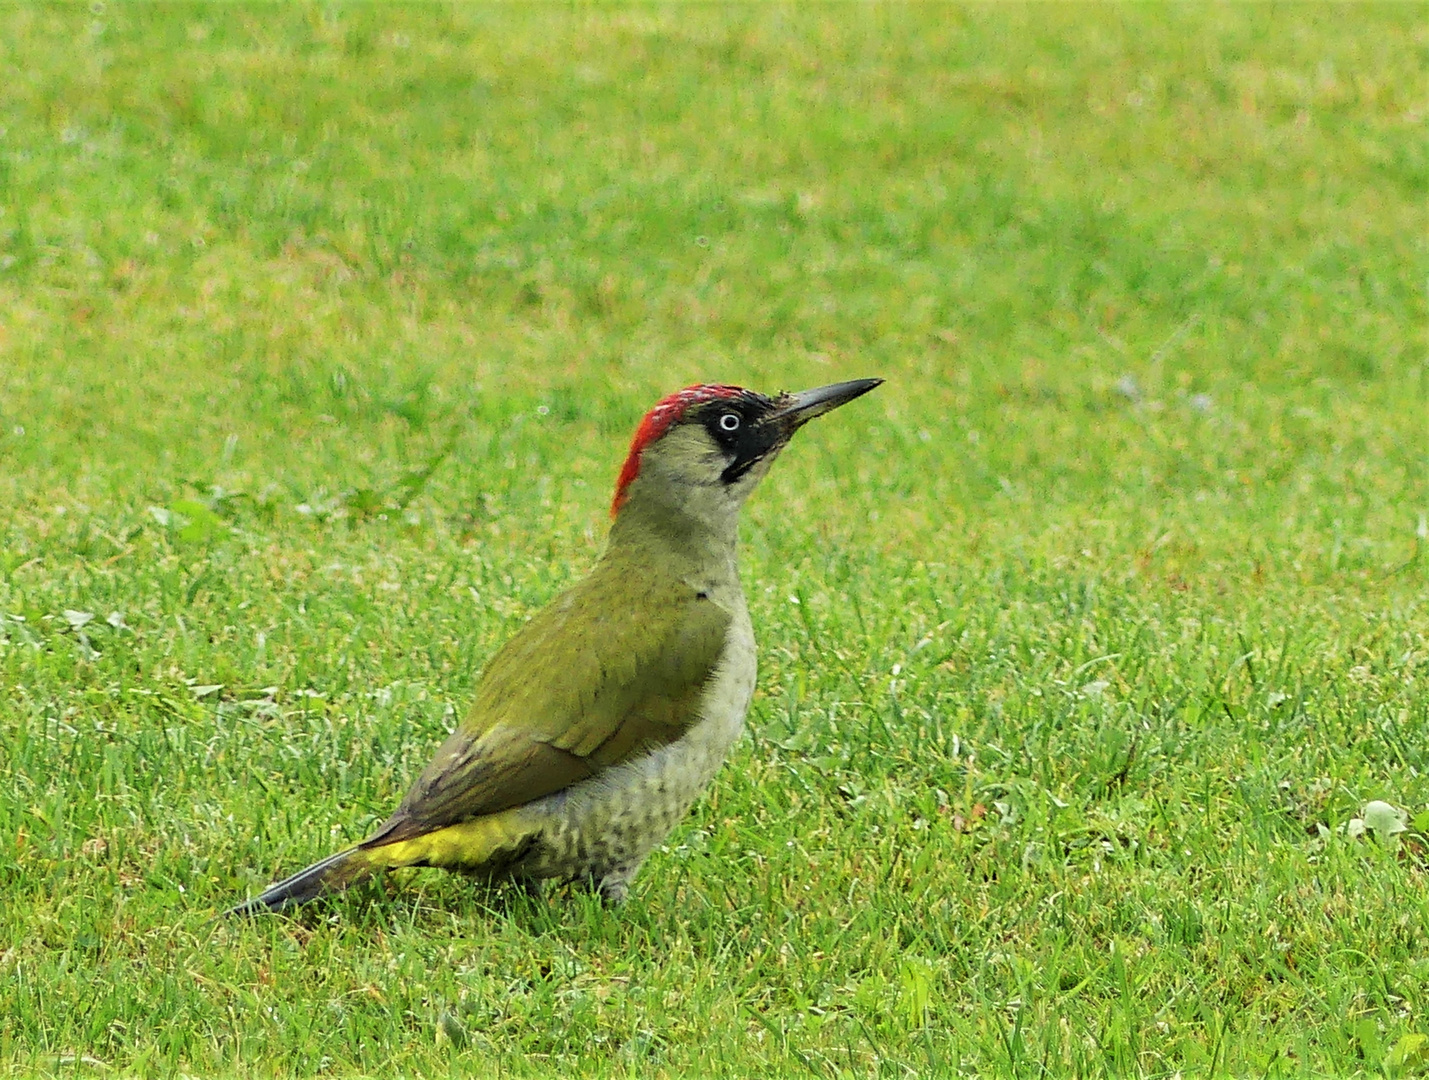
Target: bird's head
703,449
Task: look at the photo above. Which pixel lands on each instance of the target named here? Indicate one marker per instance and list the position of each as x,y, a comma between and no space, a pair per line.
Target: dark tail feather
332,874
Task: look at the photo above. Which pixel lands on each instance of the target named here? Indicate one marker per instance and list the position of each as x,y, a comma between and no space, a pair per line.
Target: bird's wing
611,668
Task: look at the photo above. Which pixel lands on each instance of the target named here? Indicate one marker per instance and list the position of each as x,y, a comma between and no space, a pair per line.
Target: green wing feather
612,667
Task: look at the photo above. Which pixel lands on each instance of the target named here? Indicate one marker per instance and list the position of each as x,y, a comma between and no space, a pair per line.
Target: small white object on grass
1381,819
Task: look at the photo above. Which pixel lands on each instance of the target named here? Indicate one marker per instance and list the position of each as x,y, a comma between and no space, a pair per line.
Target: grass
1084,639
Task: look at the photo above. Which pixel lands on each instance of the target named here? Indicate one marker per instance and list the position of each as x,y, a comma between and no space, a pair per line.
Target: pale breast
604,827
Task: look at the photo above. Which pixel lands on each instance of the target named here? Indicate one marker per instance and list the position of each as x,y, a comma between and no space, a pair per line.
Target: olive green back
613,667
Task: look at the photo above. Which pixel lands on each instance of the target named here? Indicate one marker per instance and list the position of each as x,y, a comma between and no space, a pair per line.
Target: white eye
729,422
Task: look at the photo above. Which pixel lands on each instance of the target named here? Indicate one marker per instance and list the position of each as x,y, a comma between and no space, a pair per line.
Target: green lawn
1084,640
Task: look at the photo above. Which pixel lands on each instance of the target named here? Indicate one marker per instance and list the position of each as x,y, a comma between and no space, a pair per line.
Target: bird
601,720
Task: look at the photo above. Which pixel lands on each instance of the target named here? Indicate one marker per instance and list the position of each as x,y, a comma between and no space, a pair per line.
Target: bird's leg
614,885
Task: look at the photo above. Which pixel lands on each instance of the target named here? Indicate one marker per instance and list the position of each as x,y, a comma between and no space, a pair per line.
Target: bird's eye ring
729,422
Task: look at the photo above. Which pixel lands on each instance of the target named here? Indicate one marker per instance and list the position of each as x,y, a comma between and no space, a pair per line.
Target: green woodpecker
605,716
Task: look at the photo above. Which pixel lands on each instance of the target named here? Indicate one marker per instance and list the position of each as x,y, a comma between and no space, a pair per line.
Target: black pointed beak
793,411
789,412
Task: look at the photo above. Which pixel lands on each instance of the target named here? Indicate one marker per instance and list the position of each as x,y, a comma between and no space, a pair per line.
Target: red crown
657,421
